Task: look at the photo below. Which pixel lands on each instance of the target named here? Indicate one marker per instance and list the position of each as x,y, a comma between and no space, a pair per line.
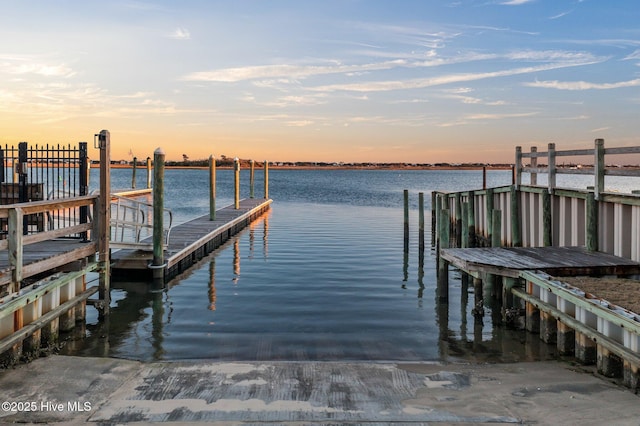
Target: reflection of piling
212,188
158,215
212,285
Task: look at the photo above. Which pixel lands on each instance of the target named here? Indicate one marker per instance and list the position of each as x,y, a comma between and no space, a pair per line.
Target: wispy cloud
180,34
560,15
582,85
600,129
285,70
467,119
19,65
516,2
418,83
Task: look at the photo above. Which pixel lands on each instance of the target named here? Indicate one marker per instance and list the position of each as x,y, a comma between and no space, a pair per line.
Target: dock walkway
189,241
559,261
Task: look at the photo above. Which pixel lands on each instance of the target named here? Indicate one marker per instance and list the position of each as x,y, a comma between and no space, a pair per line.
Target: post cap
158,151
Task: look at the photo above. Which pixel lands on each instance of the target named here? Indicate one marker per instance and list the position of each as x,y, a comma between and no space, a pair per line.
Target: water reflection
212,284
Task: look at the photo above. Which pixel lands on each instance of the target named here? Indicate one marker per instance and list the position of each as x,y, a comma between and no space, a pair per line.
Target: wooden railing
599,168
14,214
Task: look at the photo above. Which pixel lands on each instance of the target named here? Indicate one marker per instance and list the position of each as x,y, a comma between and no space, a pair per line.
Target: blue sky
337,80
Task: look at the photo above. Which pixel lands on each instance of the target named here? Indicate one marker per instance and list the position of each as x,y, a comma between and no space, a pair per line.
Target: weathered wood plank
508,261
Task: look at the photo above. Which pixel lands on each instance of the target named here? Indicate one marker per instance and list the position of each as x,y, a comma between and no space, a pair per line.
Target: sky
415,81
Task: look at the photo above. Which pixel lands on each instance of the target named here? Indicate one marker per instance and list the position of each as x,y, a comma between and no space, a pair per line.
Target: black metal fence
45,172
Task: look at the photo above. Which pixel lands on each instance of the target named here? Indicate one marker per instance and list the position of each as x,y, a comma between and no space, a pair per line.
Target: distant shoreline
345,167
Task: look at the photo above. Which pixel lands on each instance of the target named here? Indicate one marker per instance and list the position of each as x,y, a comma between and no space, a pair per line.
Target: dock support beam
443,265
148,172
421,222
406,219
266,180
134,167
104,225
252,176
158,216
236,183
212,188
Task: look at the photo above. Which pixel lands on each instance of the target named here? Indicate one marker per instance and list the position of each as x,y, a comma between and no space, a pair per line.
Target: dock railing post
472,219
592,222
434,196
266,180
104,226
484,177
489,205
547,223
158,215
517,167
251,179
534,164
14,227
551,153
464,237
236,183
133,173
516,235
599,167
148,172
212,188
458,212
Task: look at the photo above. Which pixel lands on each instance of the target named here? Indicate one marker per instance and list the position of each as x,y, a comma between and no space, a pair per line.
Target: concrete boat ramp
78,390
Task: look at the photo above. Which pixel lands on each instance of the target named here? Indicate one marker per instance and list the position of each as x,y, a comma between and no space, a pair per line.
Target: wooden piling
266,179
534,163
516,230
547,230
517,167
489,203
148,172
434,196
421,221
212,188
551,168
406,219
464,241
472,220
15,248
484,177
158,265
599,166
103,224
458,213
134,167
443,265
236,183
252,179
592,222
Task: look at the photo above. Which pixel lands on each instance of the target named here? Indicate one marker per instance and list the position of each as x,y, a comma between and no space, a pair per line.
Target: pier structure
56,239
517,242
170,250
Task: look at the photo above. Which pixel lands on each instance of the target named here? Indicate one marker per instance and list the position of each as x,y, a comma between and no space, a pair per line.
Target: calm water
322,276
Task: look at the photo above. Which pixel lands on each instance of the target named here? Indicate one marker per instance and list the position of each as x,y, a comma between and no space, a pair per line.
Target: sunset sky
331,80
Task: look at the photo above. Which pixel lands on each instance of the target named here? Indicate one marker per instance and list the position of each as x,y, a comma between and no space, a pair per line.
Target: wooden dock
189,241
558,261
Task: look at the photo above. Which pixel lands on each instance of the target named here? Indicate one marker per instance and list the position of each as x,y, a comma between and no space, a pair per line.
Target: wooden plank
507,261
